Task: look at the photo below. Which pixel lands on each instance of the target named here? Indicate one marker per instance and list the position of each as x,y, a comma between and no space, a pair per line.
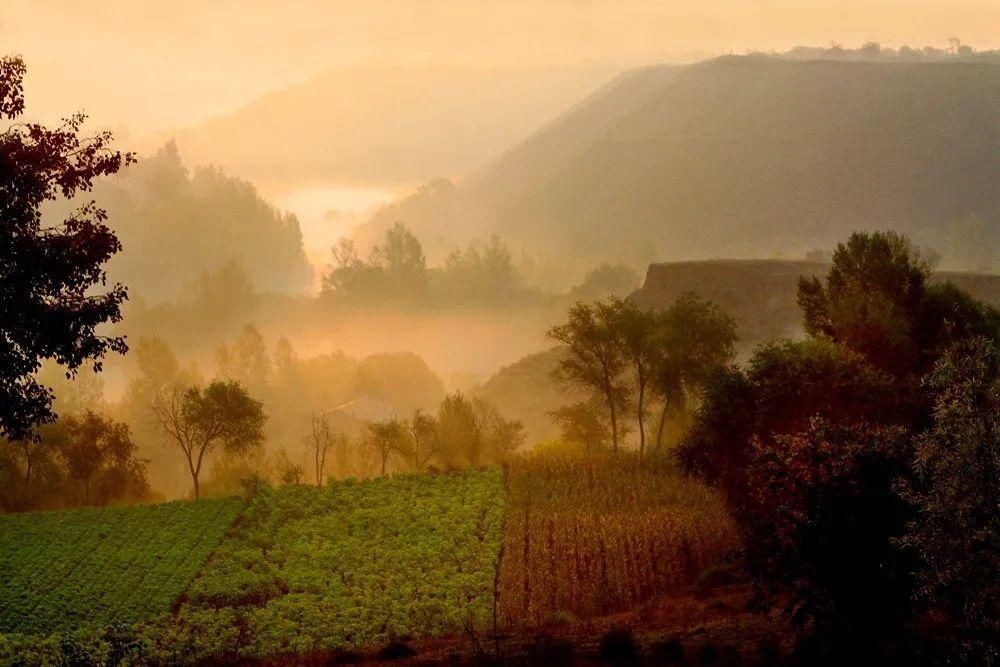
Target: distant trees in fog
396,270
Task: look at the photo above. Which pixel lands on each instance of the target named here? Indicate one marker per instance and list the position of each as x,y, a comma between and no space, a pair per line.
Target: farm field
354,564
591,536
61,570
306,571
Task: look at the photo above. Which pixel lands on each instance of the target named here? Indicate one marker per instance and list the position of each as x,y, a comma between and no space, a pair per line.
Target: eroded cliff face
761,293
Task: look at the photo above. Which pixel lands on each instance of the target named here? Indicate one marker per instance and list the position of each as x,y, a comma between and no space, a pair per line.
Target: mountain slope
386,125
743,156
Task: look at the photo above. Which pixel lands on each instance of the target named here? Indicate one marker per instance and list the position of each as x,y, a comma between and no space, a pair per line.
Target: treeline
875,51
80,460
861,464
396,271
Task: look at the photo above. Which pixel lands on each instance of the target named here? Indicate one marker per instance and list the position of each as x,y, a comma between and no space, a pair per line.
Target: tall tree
637,331
695,338
387,438
595,359
51,273
424,438
203,420
321,440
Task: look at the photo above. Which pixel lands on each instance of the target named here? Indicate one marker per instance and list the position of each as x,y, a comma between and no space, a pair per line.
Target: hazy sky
150,65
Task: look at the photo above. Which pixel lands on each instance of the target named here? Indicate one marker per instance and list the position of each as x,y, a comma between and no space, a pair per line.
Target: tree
505,435
321,440
637,333
424,438
51,276
401,261
871,299
695,338
595,359
247,360
202,420
93,444
956,529
582,423
387,438
460,431
877,302
811,443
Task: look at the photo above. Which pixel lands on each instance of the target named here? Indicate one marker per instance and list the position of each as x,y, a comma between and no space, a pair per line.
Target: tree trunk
614,422
194,479
659,428
642,425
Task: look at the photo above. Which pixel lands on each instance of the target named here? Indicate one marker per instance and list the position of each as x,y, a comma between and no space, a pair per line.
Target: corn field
599,535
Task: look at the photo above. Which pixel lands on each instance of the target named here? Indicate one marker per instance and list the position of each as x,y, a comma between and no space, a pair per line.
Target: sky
146,66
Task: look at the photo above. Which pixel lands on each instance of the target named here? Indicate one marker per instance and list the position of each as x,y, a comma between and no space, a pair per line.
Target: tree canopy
53,287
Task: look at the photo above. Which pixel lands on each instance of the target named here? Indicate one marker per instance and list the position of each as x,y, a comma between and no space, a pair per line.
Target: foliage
876,302
183,226
84,459
52,274
818,525
811,443
69,569
594,357
353,564
583,424
956,531
600,534
696,338
202,420
95,447
396,271
628,357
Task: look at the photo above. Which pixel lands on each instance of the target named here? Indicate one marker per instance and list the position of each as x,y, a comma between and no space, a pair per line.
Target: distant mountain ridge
386,124
738,156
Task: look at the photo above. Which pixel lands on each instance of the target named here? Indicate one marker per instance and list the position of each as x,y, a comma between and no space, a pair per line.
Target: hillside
761,294
741,156
386,124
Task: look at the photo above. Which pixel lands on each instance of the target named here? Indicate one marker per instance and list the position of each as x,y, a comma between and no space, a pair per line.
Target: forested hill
761,294
741,156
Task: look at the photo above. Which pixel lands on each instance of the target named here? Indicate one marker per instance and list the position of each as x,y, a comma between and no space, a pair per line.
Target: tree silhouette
51,275
201,420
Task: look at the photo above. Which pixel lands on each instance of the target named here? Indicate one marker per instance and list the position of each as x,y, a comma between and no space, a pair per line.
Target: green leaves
63,570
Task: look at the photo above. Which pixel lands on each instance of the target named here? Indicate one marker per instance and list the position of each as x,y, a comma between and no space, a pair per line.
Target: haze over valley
532,333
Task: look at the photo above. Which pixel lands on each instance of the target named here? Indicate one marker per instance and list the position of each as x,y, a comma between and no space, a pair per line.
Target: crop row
61,570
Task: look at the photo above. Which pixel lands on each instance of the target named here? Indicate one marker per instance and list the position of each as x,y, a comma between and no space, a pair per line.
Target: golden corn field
591,536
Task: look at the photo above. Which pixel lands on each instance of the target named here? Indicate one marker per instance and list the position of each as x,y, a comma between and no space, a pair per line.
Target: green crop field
357,563
62,570
302,569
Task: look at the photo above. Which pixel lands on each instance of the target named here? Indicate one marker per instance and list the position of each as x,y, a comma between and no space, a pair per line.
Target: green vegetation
353,564
304,569
61,570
